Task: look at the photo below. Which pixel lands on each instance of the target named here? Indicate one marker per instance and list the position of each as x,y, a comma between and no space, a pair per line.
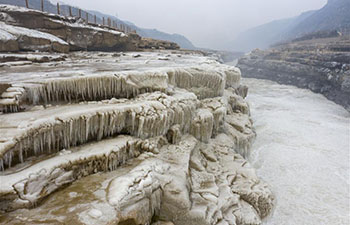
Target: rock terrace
166,132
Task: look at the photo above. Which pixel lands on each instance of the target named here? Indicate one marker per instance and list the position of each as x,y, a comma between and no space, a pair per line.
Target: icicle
133,117
10,155
35,146
53,139
20,152
25,147
101,117
87,127
41,143
2,168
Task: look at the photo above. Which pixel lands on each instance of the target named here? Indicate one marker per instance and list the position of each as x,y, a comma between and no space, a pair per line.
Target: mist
206,23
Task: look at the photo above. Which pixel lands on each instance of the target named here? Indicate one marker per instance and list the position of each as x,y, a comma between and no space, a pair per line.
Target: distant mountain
150,33
333,16
261,36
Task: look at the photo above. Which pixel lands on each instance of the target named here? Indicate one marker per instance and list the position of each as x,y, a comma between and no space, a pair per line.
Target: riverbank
320,65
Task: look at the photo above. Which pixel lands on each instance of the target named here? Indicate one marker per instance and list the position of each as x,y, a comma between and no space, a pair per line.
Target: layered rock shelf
177,122
321,65
99,76
23,29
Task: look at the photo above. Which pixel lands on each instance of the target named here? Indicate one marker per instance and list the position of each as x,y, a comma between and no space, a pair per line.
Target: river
302,152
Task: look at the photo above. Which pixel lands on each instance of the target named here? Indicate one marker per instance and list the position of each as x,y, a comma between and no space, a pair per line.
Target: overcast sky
207,23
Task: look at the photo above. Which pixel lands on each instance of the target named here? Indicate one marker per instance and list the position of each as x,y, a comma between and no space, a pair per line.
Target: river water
302,152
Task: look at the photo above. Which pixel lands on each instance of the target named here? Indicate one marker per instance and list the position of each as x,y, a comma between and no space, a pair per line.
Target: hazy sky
207,23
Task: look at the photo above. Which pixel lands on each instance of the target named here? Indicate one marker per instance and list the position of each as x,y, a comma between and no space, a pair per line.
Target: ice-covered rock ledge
99,76
23,29
180,115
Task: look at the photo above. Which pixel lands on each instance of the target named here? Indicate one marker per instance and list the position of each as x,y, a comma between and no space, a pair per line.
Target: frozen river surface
302,151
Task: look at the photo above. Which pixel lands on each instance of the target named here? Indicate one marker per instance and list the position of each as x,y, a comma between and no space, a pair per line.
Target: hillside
182,41
23,29
267,33
334,15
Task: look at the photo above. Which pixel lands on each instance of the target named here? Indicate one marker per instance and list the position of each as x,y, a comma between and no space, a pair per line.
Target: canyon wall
23,29
319,64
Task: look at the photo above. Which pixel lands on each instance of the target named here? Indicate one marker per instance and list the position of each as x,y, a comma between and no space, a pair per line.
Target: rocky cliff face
49,7
321,65
166,133
32,30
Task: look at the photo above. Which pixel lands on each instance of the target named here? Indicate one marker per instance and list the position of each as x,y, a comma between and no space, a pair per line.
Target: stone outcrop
69,30
20,38
149,43
191,183
180,127
9,59
321,65
8,42
75,32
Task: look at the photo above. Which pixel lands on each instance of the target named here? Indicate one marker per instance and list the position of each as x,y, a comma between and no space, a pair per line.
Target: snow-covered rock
171,135
8,42
105,76
192,183
77,34
74,31
30,40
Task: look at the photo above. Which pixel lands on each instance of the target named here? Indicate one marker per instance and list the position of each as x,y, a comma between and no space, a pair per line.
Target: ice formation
207,80
36,182
191,183
184,120
62,127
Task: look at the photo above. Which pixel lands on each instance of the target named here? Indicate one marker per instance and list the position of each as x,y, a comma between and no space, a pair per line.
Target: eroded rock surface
76,33
29,40
167,139
149,43
28,29
192,183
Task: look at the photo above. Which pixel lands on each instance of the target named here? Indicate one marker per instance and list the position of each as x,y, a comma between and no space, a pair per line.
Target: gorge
102,126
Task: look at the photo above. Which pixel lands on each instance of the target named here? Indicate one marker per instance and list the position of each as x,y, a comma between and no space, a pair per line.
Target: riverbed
302,152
